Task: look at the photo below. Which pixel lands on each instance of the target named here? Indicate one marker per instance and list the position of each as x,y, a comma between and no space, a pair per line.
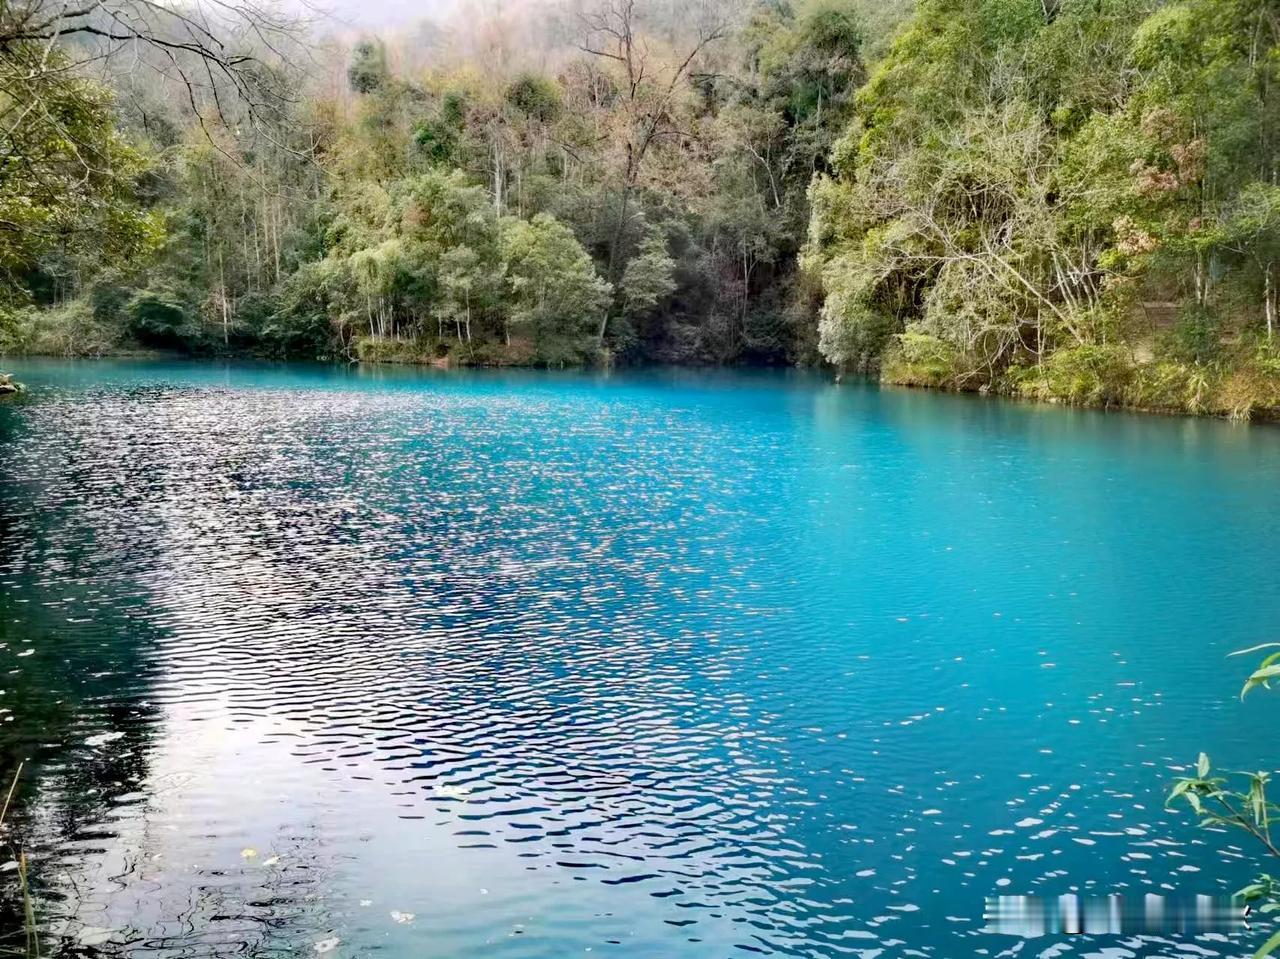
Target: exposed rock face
7,385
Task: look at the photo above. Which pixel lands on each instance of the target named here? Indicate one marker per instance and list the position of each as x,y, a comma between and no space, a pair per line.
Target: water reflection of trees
73,711
75,717
84,513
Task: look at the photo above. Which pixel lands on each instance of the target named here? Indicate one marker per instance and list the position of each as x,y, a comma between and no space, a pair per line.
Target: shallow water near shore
311,660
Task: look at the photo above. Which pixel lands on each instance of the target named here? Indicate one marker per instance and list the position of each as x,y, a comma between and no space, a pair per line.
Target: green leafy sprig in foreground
1245,806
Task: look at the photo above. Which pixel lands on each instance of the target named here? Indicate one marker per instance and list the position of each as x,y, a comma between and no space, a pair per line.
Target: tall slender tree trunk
244,244
497,174
1269,297
222,296
257,255
614,255
276,232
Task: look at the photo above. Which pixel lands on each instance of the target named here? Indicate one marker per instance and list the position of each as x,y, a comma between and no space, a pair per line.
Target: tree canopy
1034,196
1073,200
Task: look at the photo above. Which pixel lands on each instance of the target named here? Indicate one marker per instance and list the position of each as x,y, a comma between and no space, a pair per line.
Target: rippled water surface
654,665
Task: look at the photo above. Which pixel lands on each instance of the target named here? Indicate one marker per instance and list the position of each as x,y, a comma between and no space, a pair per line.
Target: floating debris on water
94,935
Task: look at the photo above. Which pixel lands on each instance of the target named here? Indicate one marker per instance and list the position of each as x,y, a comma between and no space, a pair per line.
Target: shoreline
1269,415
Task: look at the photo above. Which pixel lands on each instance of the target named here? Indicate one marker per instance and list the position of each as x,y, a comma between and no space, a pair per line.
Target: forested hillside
630,185
1071,199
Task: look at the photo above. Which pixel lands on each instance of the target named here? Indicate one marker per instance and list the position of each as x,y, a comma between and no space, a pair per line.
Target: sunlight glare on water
309,660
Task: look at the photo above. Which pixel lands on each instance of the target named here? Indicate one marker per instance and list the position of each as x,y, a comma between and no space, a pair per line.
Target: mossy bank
1242,383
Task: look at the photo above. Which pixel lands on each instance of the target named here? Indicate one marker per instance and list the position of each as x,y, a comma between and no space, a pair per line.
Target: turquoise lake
402,663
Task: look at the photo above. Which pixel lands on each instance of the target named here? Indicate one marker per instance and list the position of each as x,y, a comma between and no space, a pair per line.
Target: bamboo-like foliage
1221,805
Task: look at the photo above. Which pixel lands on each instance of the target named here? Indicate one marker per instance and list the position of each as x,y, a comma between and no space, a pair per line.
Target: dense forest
1069,200
1063,199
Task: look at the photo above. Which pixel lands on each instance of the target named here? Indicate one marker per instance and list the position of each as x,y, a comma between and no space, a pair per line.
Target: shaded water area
654,664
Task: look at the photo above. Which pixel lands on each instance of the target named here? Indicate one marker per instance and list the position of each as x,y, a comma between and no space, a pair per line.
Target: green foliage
439,137
649,278
300,325
924,360
437,141
70,329
1266,672
368,70
68,179
109,299
1170,386
974,194
1250,809
377,349
1196,337
159,316
427,267
434,200
1091,375
554,293
824,65
1238,386
1244,390
854,328
1247,807
535,96
1019,180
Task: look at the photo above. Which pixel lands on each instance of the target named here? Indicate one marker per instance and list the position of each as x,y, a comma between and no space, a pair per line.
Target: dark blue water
654,665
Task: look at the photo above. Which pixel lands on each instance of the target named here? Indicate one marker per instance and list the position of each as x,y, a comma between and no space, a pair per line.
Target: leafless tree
224,57
649,83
